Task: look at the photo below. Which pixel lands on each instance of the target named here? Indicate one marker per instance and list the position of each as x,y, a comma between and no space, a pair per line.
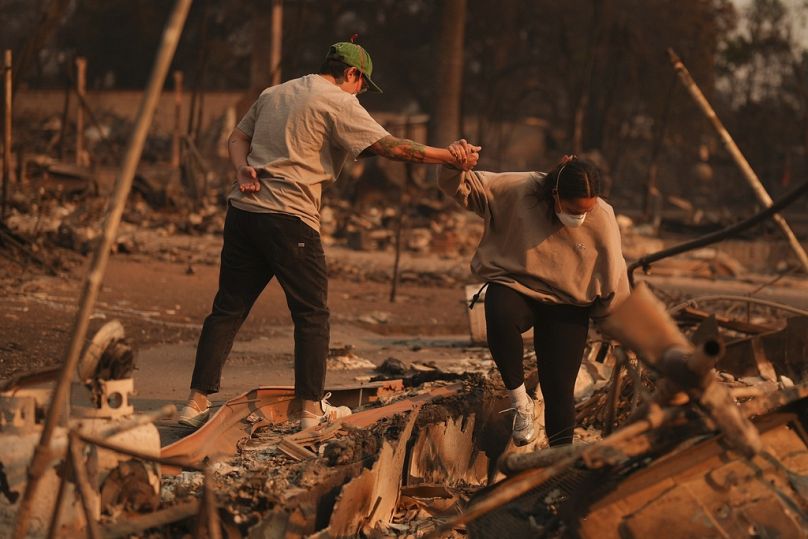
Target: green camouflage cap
355,56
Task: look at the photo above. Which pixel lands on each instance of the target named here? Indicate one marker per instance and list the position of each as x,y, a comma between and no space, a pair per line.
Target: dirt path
162,305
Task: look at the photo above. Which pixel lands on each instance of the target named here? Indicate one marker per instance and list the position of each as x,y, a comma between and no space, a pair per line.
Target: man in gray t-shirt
292,142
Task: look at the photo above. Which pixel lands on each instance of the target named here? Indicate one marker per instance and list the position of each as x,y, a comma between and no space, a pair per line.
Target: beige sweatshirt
523,249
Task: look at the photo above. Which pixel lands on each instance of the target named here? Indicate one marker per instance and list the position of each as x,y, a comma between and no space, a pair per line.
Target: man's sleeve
354,130
247,123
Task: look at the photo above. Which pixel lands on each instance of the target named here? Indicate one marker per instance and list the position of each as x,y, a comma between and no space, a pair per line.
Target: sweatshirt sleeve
616,287
469,188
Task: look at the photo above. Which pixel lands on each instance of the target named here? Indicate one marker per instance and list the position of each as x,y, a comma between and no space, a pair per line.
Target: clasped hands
464,153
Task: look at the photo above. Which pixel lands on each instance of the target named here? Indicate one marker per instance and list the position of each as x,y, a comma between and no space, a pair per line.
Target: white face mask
570,220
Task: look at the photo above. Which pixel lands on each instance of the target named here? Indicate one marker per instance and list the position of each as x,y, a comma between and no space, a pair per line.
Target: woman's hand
248,179
464,153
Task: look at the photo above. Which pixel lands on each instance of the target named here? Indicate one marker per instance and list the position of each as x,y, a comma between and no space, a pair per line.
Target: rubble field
717,451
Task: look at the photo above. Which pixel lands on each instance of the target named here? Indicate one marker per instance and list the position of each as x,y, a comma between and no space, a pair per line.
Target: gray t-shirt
302,132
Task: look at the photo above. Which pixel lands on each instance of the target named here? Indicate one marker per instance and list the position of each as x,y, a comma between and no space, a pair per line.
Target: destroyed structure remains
692,399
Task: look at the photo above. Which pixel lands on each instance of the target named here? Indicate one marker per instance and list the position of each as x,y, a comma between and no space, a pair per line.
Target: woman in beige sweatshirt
552,259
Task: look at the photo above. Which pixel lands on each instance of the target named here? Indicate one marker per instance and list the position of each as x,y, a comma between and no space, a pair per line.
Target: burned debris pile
58,212
669,426
691,414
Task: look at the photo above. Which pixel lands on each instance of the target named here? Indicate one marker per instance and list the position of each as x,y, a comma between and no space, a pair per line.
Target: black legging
559,338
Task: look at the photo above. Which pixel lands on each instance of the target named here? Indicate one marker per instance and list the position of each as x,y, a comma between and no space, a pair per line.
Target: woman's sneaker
192,415
524,431
330,413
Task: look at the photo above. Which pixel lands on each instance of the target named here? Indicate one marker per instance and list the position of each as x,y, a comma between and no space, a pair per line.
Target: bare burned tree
445,124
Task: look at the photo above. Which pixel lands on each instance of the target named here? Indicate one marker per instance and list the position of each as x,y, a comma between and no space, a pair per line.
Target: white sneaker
523,430
330,413
191,415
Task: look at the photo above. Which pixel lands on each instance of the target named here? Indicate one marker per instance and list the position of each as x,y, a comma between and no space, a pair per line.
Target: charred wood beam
84,487
646,261
57,506
629,441
615,389
513,463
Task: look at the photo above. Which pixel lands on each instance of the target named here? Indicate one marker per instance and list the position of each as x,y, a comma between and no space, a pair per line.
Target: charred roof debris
676,417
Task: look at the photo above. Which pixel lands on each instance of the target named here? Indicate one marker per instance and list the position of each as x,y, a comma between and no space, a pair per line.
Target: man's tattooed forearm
401,149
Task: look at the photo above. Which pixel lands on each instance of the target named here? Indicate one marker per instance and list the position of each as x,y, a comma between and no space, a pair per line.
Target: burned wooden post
7,112
397,260
403,203
81,87
57,506
92,282
176,137
277,40
652,207
744,166
65,118
195,108
83,486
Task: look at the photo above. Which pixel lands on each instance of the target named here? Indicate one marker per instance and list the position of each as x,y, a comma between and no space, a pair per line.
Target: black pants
257,247
559,337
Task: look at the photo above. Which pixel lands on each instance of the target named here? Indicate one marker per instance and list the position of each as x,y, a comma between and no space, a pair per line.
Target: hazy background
532,80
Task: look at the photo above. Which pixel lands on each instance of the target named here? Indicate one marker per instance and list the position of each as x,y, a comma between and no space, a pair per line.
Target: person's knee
313,317
228,305
502,323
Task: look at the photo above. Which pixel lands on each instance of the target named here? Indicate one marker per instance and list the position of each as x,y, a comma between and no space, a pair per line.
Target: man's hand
248,179
400,149
464,153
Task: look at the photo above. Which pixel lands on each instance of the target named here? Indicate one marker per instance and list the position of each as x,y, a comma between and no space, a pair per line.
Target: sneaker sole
521,443
196,421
